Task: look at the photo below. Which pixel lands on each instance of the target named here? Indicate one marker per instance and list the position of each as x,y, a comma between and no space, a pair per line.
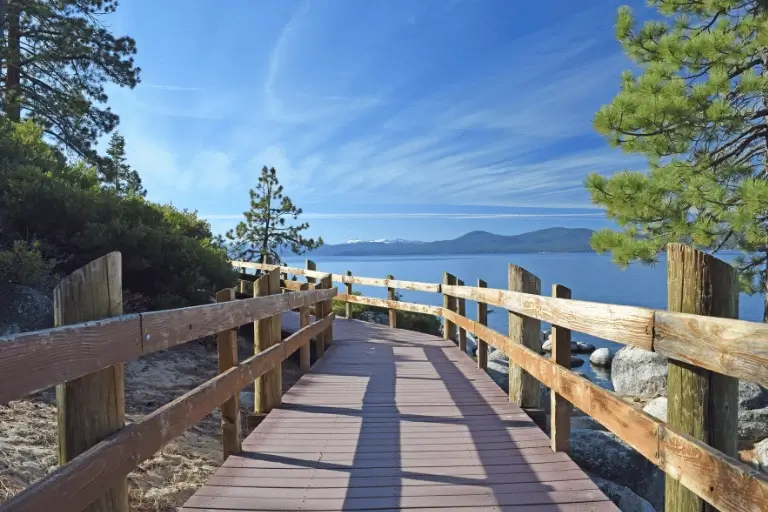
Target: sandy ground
162,483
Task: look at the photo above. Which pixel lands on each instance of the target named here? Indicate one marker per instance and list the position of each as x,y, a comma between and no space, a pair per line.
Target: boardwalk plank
396,420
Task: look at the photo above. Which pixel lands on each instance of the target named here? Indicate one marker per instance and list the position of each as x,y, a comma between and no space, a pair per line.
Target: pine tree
58,57
698,110
115,173
264,231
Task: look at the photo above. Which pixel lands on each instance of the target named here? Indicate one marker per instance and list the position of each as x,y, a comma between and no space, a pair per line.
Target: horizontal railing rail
730,347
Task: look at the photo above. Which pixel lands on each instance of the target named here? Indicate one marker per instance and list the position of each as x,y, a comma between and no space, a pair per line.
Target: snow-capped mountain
382,241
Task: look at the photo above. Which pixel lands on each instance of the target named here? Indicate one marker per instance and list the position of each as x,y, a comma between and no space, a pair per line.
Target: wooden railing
697,448
96,449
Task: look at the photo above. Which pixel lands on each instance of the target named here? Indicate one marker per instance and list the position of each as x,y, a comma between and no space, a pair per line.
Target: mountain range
474,242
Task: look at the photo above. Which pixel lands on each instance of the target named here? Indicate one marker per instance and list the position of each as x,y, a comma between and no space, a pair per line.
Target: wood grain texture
294,286
461,309
71,487
393,304
524,389
482,319
392,313
348,291
560,408
268,387
449,304
327,310
702,404
304,321
92,408
722,481
623,324
226,342
319,313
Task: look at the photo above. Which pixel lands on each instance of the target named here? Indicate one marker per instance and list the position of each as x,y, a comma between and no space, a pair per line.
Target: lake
590,277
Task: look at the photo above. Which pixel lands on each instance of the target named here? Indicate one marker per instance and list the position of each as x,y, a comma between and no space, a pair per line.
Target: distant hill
474,242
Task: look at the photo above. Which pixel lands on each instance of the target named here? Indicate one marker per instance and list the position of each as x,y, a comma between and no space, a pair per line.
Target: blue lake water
590,277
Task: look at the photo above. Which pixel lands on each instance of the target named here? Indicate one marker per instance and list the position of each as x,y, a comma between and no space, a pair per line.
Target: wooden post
560,408
462,310
349,292
702,404
449,303
310,265
523,388
392,312
230,410
268,391
319,314
327,310
304,320
482,318
92,408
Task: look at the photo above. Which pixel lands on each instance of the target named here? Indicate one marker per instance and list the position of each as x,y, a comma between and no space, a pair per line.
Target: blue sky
418,119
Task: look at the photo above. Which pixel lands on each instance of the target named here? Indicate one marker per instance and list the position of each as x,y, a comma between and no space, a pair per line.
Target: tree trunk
2,34
13,75
765,291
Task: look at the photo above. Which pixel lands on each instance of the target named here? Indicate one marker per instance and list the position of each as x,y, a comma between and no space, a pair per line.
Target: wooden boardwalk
390,420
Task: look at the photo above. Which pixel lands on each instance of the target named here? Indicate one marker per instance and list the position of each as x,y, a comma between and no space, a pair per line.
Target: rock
752,396
601,357
753,424
639,373
547,345
498,369
374,317
657,408
606,456
576,362
584,348
622,497
761,454
577,347
246,400
24,309
545,335
585,422
471,345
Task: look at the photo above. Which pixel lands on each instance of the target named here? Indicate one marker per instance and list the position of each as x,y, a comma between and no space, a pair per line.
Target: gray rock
657,408
374,317
544,336
498,369
622,497
761,454
585,422
547,345
752,396
246,400
606,456
471,345
601,357
584,348
639,373
753,424
24,309
576,362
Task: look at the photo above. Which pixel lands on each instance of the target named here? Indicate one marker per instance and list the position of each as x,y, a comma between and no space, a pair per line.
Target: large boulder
753,424
622,497
471,345
24,309
657,408
601,357
498,369
761,454
639,373
752,396
605,455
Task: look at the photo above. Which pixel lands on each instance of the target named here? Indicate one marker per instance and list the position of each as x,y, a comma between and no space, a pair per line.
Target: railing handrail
737,348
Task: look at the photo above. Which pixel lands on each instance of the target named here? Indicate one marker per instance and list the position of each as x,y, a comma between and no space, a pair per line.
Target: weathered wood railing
97,450
697,447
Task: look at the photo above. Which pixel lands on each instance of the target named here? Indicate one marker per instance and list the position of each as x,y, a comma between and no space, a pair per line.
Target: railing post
701,403
348,305
524,389
327,310
461,309
268,392
319,314
310,265
449,303
392,312
560,408
226,342
482,318
304,320
92,408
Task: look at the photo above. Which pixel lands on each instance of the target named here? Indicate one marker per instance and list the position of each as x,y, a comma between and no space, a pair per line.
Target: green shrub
23,264
420,322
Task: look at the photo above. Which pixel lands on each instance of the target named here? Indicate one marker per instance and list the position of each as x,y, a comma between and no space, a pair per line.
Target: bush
420,322
23,264
170,256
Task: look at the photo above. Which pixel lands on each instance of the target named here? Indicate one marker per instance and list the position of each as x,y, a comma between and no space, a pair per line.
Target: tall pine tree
698,109
264,232
115,173
58,56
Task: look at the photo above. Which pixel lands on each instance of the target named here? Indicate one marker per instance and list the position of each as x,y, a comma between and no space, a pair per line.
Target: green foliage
169,255
697,110
420,322
59,55
264,231
115,173
24,264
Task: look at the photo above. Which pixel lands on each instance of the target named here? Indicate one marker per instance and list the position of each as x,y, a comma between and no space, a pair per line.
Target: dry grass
28,441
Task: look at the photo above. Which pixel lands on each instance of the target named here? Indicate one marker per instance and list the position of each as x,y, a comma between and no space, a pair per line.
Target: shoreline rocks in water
639,373
601,357
577,347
